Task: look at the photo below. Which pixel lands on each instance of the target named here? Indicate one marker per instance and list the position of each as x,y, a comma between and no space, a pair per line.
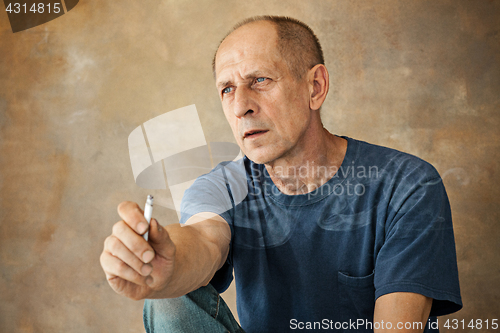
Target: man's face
266,107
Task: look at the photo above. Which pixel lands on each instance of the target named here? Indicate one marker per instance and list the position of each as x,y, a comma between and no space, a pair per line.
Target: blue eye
226,90
260,79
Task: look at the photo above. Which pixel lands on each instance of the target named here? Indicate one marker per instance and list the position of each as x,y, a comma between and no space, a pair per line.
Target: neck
309,166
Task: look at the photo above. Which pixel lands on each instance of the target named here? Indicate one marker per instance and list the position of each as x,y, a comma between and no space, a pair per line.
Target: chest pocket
357,298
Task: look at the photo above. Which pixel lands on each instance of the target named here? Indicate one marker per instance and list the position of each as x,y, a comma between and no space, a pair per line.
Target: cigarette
148,211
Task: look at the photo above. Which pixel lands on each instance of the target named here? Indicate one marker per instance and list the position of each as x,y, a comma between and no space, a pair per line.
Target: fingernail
146,270
149,280
142,227
148,256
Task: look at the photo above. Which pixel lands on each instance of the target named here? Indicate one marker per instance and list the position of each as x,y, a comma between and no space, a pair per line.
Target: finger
160,240
117,249
133,215
133,242
114,267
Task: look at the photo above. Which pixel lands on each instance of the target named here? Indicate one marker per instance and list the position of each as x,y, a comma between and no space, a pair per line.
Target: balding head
297,44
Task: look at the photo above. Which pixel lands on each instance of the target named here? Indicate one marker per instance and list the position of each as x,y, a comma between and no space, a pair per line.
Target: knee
163,315
177,314
166,309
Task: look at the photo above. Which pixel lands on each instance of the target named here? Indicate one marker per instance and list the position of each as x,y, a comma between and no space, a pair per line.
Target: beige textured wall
420,76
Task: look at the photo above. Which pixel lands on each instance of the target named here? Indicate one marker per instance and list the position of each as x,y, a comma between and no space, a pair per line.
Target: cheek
234,127
296,97
293,111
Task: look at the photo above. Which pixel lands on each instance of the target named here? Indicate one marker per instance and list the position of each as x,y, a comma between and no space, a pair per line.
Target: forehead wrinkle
237,72
240,47
245,71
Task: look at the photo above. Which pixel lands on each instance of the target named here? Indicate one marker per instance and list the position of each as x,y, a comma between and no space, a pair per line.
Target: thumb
160,240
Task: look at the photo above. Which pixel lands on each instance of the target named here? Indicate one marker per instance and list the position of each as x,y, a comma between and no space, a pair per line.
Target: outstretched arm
176,260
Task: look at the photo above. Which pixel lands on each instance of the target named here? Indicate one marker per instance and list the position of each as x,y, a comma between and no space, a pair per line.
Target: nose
243,102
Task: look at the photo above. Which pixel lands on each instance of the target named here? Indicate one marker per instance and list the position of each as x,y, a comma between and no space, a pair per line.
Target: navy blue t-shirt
382,224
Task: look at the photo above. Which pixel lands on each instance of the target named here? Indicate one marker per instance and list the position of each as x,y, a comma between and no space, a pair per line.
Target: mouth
253,134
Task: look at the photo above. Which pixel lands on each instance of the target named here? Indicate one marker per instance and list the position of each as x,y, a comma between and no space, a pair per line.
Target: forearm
406,312
196,260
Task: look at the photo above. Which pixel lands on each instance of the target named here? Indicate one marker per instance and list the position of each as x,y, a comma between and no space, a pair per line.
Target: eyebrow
223,84
252,74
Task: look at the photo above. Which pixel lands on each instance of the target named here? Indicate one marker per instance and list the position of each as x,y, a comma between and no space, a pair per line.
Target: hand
134,267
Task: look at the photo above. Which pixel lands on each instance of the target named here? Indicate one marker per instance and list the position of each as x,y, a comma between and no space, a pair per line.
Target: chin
261,157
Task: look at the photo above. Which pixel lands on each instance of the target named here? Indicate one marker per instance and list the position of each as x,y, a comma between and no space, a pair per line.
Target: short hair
296,42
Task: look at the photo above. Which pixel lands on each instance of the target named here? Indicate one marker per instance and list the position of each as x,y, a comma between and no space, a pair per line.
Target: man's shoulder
227,178
389,160
229,171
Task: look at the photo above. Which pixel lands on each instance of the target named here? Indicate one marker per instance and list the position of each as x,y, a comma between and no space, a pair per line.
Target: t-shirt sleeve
207,194
216,192
418,254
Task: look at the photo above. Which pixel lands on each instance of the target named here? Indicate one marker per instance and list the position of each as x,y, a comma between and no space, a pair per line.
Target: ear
319,83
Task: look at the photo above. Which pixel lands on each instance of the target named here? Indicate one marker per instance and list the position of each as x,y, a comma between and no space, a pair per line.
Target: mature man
322,231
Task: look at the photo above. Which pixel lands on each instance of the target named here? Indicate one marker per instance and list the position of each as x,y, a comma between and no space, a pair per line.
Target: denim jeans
200,311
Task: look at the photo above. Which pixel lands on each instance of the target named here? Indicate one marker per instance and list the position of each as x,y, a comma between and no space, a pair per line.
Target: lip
254,133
